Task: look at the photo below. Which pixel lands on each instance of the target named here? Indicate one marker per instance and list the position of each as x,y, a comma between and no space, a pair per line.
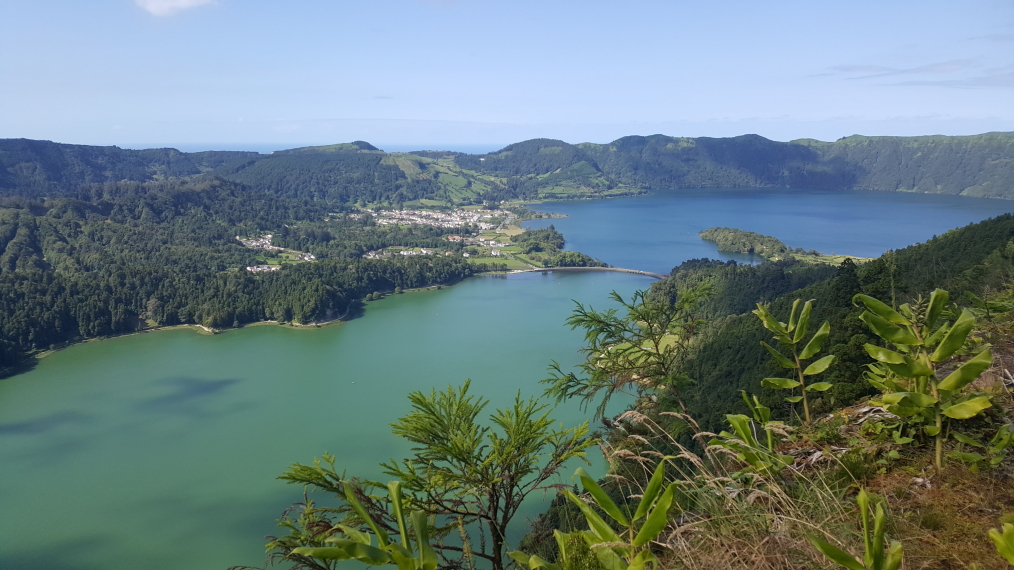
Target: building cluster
260,268
452,219
263,242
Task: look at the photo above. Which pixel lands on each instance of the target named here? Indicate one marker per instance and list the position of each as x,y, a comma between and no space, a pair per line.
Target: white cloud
169,7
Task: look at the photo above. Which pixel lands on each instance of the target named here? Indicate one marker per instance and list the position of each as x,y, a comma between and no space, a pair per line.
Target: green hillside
978,165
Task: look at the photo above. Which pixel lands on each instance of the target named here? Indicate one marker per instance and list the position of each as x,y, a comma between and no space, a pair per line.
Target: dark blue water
659,231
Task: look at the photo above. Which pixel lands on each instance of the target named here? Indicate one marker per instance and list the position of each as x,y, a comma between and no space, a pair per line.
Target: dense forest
118,257
359,173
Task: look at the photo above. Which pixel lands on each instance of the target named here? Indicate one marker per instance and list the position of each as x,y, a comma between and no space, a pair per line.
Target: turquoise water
659,231
160,450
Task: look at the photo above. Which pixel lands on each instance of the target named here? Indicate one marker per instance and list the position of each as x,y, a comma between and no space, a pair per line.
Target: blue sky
468,73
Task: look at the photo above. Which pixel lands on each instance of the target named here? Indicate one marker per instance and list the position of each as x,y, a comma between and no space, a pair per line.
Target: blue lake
160,450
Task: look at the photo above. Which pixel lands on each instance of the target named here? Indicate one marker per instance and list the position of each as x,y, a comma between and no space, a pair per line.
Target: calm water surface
659,231
161,450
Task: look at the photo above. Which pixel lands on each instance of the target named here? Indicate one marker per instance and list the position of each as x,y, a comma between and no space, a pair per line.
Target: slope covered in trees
978,165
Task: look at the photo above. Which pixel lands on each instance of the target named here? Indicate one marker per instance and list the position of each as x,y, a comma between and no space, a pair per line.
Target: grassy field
511,263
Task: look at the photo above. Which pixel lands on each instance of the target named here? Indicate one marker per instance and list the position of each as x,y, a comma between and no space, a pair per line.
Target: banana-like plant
358,545
626,550
762,457
995,451
1004,541
923,339
874,557
790,336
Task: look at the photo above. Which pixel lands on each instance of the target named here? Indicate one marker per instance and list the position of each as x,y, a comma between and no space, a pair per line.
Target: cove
160,450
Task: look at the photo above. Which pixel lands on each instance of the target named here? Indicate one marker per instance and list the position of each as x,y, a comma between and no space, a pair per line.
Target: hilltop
358,172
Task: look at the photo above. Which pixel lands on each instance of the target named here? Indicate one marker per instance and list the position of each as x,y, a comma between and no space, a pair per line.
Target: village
452,219
264,243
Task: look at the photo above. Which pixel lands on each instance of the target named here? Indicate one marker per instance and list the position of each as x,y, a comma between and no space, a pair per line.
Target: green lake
160,450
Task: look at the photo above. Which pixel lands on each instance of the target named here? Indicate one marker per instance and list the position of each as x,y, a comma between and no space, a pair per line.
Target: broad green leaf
394,491
937,335
815,344
955,337
642,559
657,518
937,302
819,387
427,556
901,440
804,322
780,358
917,399
970,458
881,310
350,496
968,408
967,372
887,330
884,355
1004,542
651,491
819,366
348,550
836,555
601,498
931,431
536,562
355,535
520,557
794,399
609,559
769,321
912,367
966,440
792,315
779,383
895,556
595,522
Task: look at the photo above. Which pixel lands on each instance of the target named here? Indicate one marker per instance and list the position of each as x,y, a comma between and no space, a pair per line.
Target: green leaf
916,399
881,310
937,302
769,321
657,518
968,408
427,556
884,355
779,383
819,387
966,440
815,344
794,399
598,526
347,550
836,555
819,366
350,496
967,372
895,555
792,315
804,322
912,367
937,335
888,331
651,491
394,491
931,431
955,337
782,360
354,534
601,498
642,559
1004,542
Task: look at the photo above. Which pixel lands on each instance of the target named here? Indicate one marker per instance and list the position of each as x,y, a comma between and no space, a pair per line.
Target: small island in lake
770,248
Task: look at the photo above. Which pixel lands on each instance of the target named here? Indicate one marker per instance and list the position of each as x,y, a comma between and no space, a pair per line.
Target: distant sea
265,148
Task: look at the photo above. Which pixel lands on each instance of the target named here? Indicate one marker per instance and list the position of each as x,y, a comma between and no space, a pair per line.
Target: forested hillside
979,165
978,258
116,258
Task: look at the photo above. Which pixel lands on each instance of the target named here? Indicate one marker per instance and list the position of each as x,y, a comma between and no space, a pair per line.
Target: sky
473,74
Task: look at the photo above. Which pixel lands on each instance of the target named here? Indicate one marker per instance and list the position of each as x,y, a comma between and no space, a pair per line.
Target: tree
643,349
461,472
